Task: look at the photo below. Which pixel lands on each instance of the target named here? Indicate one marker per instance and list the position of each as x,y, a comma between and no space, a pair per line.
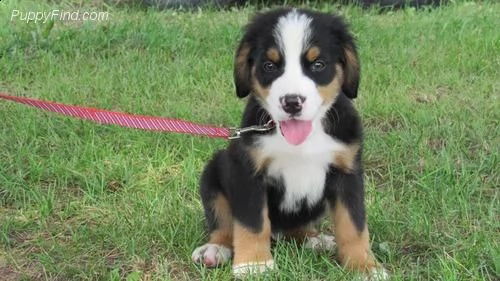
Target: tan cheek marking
258,89
223,235
330,91
346,158
250,246
273,55
353,246
312,54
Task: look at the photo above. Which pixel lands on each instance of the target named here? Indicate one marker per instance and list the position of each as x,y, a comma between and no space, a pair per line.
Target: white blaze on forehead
292,33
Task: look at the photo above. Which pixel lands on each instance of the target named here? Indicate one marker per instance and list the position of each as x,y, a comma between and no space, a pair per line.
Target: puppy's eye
269,66
318,65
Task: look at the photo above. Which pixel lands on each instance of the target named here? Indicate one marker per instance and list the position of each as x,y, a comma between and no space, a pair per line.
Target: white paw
211,255
321,242
377,274
276,236
245,269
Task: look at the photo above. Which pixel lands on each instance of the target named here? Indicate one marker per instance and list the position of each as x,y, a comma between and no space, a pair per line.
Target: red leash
128,120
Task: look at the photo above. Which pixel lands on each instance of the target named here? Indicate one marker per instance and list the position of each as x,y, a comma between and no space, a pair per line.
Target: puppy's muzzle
292,103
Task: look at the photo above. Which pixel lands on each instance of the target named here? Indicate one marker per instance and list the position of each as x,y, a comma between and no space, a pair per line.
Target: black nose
292,103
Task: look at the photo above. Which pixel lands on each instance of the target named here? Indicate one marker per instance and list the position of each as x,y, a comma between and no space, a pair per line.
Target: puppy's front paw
377,274
211,255
373,274
251,268
321,242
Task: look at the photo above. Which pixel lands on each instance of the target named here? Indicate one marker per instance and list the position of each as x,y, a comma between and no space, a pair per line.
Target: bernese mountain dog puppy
300,71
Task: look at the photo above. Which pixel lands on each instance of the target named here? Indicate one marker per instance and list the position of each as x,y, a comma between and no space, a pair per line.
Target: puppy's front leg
251,234
351,230
252,248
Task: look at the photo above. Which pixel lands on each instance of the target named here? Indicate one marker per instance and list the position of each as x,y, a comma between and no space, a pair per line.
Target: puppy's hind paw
322,242
211,255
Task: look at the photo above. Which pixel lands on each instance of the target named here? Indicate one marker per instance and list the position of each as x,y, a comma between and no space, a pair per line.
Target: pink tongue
295,131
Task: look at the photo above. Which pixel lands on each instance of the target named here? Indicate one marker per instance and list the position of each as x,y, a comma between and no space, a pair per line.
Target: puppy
300,71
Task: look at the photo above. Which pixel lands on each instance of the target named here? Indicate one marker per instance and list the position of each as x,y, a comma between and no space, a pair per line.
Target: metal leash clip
235,133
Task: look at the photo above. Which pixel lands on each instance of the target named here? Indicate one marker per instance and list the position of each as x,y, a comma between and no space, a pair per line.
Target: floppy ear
349,58
242,69
351,70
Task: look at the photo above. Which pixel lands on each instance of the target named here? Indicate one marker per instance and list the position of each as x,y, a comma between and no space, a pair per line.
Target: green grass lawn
80,201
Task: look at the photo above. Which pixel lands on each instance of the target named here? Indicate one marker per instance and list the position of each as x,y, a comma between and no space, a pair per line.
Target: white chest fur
302,168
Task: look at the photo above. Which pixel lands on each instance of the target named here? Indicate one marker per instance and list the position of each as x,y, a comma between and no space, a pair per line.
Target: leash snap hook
235,133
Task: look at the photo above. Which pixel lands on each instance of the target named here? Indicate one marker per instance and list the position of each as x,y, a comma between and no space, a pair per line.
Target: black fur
232,173
259,38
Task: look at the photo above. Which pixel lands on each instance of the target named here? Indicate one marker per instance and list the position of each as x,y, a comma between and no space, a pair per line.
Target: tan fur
260,162
223,235
300,234
329,92
241,62
273,55
258,89
312,54
346,159
353,246
352,66
250,246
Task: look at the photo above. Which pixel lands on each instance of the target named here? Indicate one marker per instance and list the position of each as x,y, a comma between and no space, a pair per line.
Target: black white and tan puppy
300,71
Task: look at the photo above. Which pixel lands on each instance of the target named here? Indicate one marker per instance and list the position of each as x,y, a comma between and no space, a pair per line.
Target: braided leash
129,120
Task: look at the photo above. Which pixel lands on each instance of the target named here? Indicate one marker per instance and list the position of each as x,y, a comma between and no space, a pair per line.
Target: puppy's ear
351,70
242,69
349,58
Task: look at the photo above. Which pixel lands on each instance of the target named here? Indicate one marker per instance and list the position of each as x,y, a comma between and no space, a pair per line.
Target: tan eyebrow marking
273,55
312,54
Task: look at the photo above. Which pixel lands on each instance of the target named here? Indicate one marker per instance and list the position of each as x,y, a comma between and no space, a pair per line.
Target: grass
79,201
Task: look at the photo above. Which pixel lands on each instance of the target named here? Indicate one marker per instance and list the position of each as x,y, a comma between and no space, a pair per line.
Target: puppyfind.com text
58,15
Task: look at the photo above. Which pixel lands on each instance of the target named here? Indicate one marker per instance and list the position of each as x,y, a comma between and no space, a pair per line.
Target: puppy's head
296,62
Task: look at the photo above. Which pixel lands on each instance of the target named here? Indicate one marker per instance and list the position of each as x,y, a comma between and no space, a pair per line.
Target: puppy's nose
292,103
